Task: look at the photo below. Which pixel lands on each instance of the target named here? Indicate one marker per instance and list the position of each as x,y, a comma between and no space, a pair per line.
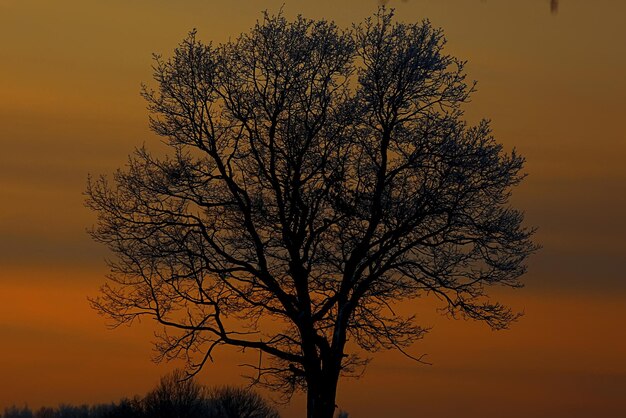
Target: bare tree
176,396
234,402
317,177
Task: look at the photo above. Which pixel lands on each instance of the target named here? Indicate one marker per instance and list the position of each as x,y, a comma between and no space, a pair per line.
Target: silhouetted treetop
176,396
317,177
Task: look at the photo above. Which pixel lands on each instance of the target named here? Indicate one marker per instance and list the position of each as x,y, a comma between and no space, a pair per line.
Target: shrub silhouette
175,396
178,396
235,402
15,412
126,408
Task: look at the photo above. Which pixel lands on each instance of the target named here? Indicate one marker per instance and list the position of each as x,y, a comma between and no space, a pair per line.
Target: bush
126,408
176,396
233,402
15,412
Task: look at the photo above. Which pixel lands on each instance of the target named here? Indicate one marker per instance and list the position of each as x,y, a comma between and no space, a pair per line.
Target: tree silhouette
234,402
317,177
175,396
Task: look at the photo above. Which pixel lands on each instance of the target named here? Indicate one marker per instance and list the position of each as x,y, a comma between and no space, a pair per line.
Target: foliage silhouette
16,412
317,177
176,396
126,408
234,402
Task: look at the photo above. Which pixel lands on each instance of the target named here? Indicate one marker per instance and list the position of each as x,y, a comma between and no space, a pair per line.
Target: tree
317,177
175,396
179,396
233,402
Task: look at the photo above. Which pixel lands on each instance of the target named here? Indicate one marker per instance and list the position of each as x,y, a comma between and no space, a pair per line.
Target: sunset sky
554,86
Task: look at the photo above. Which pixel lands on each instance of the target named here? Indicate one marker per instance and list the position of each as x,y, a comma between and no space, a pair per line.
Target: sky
550,78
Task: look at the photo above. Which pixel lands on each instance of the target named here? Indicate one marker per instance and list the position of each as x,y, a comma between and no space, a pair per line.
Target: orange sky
554,86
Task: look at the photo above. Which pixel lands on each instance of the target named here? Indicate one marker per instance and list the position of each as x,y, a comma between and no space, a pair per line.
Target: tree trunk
321,399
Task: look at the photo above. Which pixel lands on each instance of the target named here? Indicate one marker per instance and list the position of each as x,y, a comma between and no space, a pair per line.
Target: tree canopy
317,177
